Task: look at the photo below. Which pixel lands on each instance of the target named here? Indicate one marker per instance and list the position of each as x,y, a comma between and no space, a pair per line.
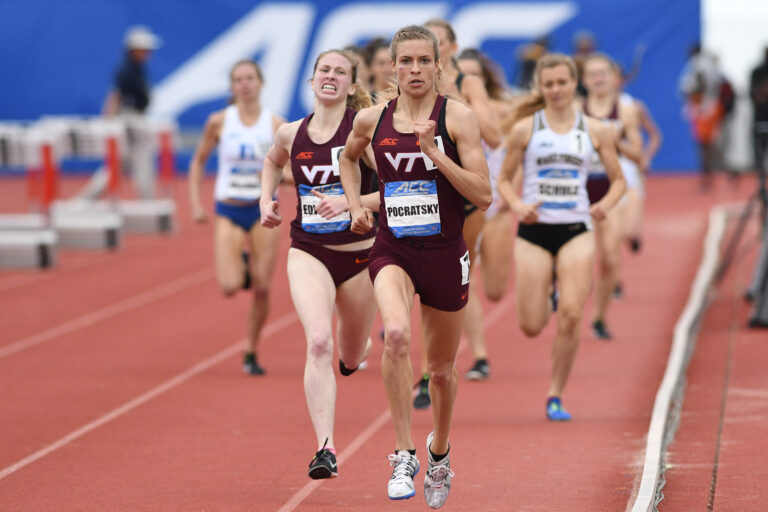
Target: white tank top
241,156
555,169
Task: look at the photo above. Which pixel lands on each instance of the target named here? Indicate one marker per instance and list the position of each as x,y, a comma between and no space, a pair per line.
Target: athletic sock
344,370
438,458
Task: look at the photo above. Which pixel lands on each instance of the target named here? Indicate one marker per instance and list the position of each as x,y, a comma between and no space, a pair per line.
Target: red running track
121,387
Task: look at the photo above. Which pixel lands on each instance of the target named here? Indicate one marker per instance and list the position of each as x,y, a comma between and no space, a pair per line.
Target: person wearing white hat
131,88
128,100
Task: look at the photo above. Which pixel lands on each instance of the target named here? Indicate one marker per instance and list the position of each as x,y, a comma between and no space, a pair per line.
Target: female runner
554,142
243,131
428,156
326,260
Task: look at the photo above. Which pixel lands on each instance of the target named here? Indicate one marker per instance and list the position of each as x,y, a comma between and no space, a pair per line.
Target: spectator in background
758,93
701,85
129,99
131,87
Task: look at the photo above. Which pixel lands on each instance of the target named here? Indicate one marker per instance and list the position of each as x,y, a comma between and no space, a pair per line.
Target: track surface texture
122,389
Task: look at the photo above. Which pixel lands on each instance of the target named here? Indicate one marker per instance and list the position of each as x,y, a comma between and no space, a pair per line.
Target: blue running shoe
556,411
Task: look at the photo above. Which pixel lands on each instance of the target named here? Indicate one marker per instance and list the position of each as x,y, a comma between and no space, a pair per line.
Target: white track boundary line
279,324
646,495
494,316
108,311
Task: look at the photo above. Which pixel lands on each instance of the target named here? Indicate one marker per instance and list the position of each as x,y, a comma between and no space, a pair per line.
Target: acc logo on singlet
396,158
324,171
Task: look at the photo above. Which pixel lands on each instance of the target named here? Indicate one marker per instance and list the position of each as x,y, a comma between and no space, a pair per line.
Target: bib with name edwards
313,222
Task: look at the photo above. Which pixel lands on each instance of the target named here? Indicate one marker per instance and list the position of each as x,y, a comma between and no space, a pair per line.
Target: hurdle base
86,226
35,248
22,221
148,215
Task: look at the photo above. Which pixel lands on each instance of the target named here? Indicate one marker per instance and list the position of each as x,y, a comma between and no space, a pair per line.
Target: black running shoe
422,400
600,331
480,371
251,365
247,280
323,465
635,244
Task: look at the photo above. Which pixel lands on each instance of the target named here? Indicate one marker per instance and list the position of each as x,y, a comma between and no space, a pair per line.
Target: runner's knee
397,338
319,345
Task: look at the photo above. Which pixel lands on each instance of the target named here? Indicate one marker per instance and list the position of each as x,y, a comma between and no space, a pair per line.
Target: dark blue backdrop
58,57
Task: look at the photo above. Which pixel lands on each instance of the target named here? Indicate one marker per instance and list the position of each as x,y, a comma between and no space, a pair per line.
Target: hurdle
79,224
111,140
26,241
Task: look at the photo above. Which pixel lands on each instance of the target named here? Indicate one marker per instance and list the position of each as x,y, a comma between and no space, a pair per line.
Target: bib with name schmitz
555,169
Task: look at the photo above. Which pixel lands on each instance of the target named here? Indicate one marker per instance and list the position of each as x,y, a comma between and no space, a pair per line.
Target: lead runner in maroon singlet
326,262
428,155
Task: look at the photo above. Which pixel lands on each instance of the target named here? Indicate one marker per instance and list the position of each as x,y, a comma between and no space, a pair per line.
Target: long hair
535,100
361,99
491,74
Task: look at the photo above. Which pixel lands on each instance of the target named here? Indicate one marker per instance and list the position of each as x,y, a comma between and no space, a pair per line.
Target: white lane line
646,495
494,316
108,311
279,324
361,439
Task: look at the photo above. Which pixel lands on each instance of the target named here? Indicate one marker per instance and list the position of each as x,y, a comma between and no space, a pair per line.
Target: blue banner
60,57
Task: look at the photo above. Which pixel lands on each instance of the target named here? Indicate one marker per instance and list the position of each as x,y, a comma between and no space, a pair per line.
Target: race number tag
244,183
430,165
313,222
464,262
558,189
412,208
335,153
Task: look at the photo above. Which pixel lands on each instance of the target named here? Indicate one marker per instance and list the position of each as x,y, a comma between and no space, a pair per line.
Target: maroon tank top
316,166
418,203
611,118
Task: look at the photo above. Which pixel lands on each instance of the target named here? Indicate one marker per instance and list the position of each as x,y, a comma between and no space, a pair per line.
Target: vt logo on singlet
321,171
395,159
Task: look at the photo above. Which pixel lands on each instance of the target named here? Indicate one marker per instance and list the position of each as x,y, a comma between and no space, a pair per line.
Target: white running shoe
437,481
404,468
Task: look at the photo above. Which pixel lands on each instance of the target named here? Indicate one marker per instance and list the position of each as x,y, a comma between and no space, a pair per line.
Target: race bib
427,161
464,262
313,222
558,189
244,183
412,208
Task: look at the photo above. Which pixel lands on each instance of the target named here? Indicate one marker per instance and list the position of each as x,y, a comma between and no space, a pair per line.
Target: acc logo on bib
412,208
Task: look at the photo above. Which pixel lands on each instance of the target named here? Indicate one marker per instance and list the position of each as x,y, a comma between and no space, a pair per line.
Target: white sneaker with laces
404,468
437,481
